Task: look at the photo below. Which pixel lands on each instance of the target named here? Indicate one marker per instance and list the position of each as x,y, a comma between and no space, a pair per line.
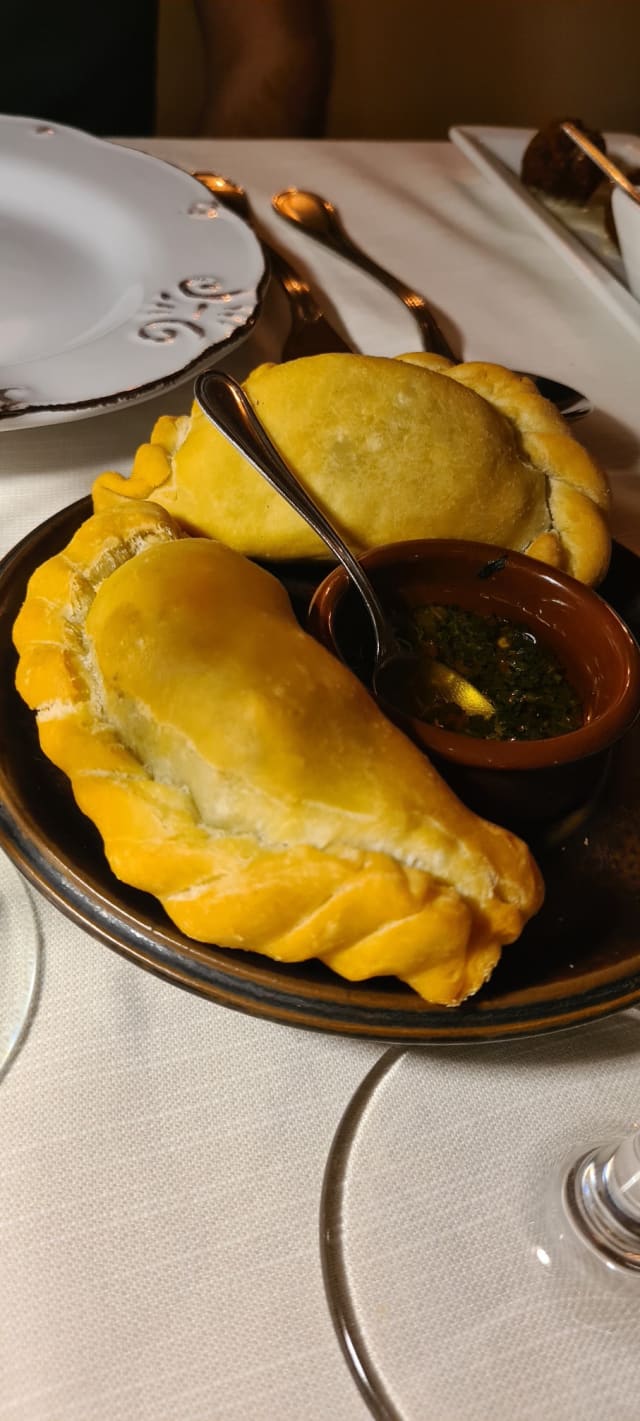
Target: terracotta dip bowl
516,782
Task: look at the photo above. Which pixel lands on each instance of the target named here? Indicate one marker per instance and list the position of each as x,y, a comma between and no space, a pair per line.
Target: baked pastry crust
240,773
393,449
577,539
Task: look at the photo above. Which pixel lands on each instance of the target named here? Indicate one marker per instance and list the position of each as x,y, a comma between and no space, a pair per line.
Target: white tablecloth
162,1158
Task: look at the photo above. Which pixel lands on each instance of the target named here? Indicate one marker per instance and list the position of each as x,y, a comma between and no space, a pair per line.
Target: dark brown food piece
553,164
633,175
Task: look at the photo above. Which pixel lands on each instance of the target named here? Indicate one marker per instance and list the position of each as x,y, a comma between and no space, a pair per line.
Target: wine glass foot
19,962
455,1279
600,1199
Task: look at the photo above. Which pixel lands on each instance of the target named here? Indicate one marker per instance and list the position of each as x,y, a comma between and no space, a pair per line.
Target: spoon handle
225,403
320,219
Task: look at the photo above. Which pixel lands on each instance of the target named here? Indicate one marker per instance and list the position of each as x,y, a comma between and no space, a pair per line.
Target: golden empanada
240,773
392,449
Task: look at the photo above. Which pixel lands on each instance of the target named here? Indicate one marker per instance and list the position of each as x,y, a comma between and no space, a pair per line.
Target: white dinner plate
119,274
577,233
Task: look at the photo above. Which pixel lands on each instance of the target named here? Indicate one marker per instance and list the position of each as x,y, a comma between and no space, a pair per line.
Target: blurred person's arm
267,67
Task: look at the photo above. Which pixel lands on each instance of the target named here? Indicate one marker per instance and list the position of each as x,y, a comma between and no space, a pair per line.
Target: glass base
595,1219
456,1284
19,961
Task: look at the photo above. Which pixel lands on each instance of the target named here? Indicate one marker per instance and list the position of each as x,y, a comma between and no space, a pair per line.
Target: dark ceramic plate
579,959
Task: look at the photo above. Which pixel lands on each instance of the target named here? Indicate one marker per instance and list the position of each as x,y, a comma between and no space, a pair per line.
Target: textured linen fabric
162,1158
472,1298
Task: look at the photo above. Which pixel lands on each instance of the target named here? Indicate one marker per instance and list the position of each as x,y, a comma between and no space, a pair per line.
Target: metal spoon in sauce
225,403
320,219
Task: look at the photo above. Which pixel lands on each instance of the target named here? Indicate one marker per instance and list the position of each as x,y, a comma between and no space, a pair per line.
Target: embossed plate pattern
120,274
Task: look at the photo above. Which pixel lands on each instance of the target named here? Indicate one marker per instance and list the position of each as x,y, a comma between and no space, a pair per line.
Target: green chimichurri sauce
523,679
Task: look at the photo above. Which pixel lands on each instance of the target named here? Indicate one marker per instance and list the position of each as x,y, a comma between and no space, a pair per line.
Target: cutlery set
311,333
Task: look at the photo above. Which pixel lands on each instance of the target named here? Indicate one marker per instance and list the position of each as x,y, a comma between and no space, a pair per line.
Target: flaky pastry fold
240,773
413,447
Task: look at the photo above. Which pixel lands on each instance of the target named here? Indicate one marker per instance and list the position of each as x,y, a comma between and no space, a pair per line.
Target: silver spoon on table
319,219
225,403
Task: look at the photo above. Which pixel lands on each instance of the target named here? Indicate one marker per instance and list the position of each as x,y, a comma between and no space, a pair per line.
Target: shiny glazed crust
577,539
395,449
241,774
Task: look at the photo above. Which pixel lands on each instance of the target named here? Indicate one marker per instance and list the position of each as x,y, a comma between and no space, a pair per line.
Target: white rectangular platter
577,233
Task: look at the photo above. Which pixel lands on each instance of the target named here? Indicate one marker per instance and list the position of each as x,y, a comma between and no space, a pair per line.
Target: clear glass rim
23,960
334,1267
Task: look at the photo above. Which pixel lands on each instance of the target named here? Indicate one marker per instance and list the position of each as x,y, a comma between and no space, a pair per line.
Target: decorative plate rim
19,411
